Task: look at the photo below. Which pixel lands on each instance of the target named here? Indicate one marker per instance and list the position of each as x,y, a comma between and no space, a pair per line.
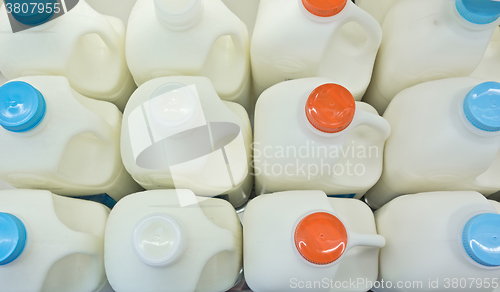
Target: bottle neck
158,240
457,12
179,15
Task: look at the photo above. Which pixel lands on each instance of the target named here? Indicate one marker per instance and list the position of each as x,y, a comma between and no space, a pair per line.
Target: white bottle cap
173,105
178,14
158,240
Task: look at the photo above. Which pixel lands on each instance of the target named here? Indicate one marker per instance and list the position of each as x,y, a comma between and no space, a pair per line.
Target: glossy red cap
330,108
321,238
324,8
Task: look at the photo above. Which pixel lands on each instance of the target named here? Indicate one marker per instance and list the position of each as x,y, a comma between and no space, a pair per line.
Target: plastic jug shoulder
311,134
446,136
56,139
177,133
302,240
51,243
195,38
430,40
170,240
302,38
433,238
82,45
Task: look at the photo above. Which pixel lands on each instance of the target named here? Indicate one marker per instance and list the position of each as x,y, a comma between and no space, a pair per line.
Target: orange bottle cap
324,8
320,238
330,108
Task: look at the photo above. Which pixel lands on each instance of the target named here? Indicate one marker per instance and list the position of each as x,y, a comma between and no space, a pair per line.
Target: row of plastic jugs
423,41
309,134
86,160
171,240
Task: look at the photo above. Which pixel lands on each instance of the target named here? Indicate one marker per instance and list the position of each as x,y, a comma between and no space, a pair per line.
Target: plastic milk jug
489,67
51,243
178,133
377,8
53,138
305,241
83,45
313,38
190,37
445,137
165,240
441,241
427,40
311,134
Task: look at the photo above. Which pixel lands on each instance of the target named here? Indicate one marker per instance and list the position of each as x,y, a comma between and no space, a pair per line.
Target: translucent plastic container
164,240
441,241
295,240
295,39
311,134
53,138
445,137
51,243
83,45
427,40
194,38
178,133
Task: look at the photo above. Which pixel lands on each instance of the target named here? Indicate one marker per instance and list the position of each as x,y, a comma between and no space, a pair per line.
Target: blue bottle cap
481,239
22,107
479,11
12,238
482,106
27,13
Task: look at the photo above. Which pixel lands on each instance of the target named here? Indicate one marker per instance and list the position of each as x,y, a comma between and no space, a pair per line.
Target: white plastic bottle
311,134
53,138
427,40
377,8
488,68
305,241
441,241
157,242
83,45
51,243
178,133
302,38
194,38
445,137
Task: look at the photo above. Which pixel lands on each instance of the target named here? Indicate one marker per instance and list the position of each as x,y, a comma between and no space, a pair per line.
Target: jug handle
99,127
235,26
81,243
371,26
374,121
372,240
102,27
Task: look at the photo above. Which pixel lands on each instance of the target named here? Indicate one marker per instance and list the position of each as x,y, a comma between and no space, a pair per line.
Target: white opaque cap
158,240
178,14
173,105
